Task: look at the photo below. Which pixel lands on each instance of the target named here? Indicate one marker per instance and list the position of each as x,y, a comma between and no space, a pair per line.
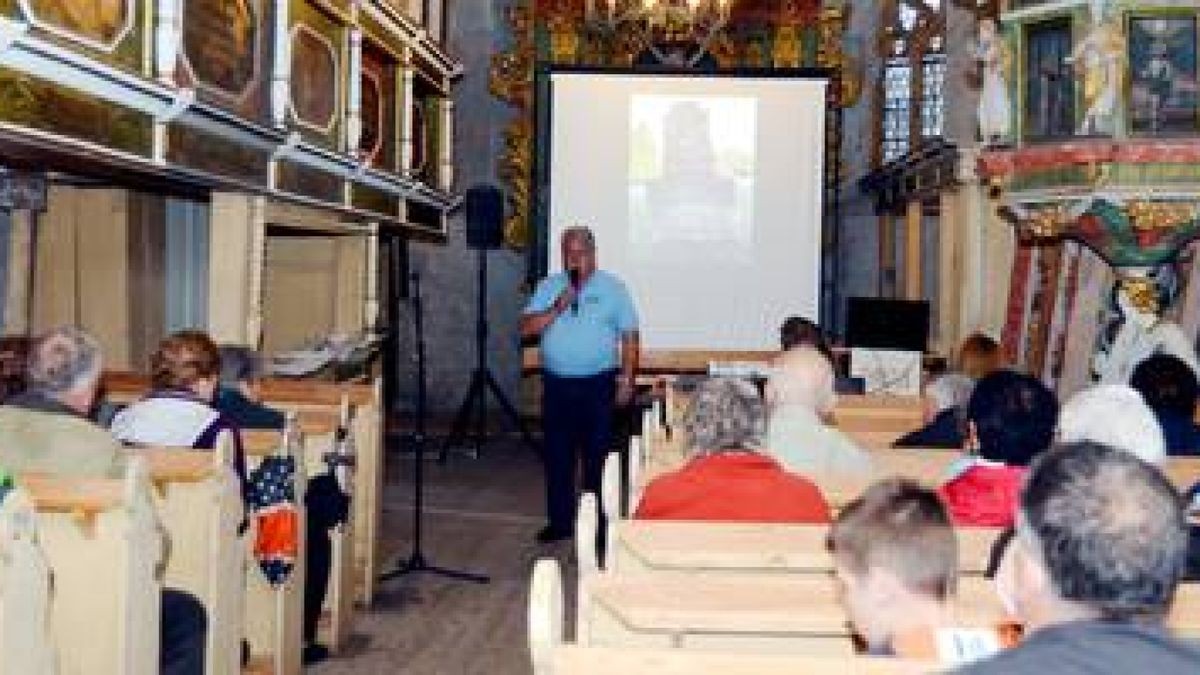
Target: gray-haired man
45,429
1091,573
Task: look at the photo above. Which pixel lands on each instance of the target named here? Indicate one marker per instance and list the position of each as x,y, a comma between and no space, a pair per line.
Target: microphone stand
416,561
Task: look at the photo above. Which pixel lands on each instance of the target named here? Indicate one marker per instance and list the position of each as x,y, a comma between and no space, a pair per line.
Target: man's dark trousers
576,415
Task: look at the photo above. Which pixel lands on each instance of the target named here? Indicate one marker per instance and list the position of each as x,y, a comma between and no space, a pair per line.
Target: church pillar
950,271
236,240
913,281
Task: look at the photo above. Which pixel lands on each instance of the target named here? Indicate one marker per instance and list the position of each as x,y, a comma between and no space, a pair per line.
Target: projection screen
704,193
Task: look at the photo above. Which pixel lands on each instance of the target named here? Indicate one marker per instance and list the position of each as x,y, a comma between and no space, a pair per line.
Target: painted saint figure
1098,59
1142,333
993,112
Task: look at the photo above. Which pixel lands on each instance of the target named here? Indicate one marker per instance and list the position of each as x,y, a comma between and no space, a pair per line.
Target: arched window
914,75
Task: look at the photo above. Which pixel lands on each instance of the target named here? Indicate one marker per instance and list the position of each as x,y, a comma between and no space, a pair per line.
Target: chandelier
660,20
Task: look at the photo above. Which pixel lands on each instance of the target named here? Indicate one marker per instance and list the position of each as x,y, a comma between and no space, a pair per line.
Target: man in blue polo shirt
589,345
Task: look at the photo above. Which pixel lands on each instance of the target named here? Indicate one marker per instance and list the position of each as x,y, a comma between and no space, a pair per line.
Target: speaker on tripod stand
485,231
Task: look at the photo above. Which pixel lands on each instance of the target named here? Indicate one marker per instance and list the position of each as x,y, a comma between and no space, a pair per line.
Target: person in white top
800,397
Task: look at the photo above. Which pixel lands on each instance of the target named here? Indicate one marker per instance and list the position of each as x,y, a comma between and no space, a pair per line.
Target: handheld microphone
573,274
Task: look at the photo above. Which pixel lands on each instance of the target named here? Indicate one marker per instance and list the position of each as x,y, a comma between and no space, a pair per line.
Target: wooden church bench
274,615
359,406
761,547
761,611
1184,472
576,660
104,546
316,438
26,644
198,498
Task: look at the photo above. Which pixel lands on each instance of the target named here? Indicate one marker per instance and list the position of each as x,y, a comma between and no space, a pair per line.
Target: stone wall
448,272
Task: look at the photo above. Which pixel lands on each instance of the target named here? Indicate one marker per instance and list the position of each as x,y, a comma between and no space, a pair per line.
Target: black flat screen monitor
884,323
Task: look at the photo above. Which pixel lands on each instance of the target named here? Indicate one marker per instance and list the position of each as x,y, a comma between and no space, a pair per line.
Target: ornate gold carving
1147,215
567,40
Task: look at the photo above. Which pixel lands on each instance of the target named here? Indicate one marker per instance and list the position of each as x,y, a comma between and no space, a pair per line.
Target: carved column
950,270
913,261
236,243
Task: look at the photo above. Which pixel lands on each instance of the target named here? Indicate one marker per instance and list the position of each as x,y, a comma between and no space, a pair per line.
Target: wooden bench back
125,387
657,545
199,500
104,546
26,643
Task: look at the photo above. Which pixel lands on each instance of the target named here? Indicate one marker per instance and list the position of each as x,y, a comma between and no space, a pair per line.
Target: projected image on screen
691,175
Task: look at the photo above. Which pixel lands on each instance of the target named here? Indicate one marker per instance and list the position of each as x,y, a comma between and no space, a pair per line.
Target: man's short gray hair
583,232
63,360
1114,415
724,414
1109,530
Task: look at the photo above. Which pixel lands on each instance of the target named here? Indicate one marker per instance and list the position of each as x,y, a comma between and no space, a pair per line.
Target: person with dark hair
798,331
1010,420
1170,388
178,411
237,392
1092,569
45,430
895,562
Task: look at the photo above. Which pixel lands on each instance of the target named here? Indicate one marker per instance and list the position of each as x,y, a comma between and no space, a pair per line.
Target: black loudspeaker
485,216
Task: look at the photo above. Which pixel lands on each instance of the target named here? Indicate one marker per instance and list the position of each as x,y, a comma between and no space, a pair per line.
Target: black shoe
549,534
315,653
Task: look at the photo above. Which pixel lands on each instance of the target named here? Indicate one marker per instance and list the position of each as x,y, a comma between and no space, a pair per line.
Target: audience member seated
237,396
1091,572
949,393
178,411
1170,389
237,399
1114,415
1010,419
45,430
800,396
798,331
727,479
896,564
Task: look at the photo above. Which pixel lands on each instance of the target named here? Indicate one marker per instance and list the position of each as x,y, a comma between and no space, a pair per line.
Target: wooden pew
653,545
360,407
550,654
315,438
274,616
26,644
198,498
103,542
793,613
576,660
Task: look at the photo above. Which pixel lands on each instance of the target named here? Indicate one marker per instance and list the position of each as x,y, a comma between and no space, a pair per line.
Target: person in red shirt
727,478
1010,420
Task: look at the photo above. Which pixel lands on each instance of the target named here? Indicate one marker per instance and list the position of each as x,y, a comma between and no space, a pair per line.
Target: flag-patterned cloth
272,499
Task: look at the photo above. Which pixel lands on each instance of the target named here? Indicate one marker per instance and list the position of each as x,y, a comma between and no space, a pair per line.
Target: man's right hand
563,302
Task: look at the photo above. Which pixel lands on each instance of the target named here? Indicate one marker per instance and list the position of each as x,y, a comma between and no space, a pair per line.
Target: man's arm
533,323
631,344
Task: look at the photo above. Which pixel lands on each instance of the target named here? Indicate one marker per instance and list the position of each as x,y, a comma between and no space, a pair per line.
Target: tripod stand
474,405
416,560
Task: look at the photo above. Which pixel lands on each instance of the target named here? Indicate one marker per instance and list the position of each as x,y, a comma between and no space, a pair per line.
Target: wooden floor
481,516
